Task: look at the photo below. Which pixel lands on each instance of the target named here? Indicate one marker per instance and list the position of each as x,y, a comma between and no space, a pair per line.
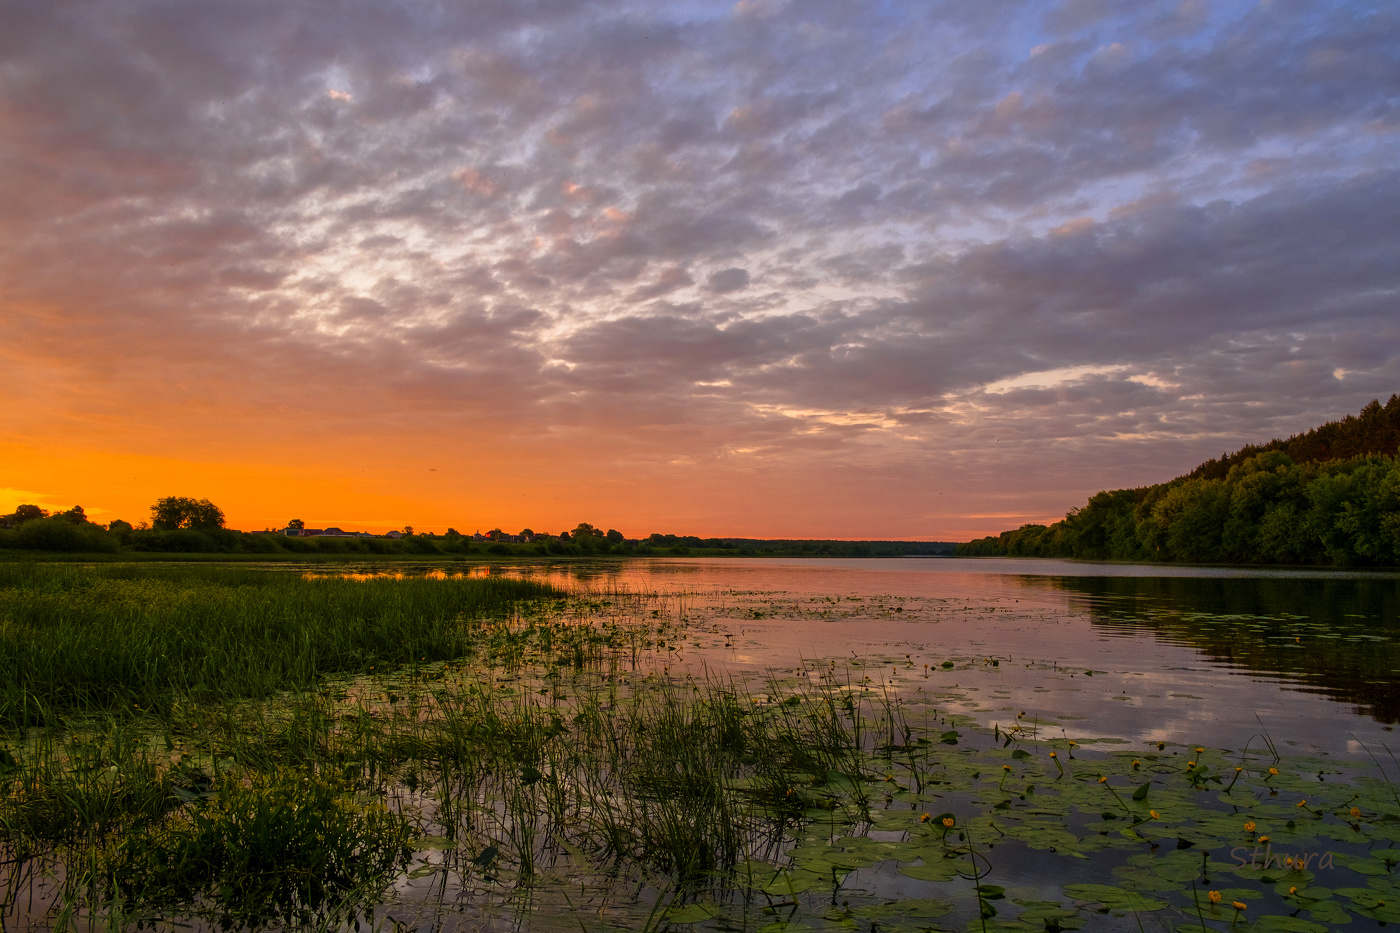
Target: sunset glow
766,269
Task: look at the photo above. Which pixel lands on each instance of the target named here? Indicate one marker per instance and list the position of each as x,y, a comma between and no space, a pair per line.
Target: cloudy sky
833,268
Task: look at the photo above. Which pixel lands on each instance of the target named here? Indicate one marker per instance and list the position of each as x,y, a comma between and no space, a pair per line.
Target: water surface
1179,654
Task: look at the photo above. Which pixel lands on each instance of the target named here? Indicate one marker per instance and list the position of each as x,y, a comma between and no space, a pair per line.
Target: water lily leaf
1369,903
1181,870
1113,897
852,859
1141,792
1273,923
912,851
809,851
788,883
691,913
935,870
916,908
1365,866
1140,879
1047,911
1328,912
430,843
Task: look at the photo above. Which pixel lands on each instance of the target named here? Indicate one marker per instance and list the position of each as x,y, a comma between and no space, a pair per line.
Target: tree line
179,524
1330,496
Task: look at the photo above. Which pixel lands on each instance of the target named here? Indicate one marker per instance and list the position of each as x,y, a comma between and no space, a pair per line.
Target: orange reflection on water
471,573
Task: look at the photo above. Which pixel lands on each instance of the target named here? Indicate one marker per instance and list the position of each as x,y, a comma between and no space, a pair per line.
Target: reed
76,639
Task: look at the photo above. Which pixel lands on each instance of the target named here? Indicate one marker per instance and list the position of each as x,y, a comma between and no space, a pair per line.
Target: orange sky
374,492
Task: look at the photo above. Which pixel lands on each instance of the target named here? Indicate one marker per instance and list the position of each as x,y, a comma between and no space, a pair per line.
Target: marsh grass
546,761
77,639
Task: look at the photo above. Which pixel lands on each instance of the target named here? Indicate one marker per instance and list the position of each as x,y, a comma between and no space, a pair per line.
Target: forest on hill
1329,496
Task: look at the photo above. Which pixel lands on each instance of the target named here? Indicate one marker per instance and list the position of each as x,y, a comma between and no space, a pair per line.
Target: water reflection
1176,653
1333,636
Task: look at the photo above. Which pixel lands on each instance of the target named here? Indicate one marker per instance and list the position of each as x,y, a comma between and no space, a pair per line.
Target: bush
259,543
420,544
294,848
56,534
182,541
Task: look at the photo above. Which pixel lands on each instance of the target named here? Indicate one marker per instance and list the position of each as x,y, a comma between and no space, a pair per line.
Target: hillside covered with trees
1328,496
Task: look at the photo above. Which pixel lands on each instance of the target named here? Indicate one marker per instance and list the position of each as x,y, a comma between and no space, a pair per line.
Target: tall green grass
75,639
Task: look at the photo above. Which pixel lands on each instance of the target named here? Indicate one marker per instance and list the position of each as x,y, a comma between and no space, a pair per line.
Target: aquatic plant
555,760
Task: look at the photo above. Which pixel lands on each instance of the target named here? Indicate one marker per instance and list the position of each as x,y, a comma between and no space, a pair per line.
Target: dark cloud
727,280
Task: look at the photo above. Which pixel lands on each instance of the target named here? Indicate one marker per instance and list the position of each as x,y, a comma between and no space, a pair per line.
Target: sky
820,268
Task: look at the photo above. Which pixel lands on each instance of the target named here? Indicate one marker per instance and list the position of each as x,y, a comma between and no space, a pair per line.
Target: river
1139,653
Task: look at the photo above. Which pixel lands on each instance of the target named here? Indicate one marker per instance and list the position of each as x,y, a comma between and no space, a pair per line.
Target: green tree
27,513
174,512
74,516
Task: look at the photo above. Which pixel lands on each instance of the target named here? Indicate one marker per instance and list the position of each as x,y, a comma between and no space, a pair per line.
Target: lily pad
691,913
1113,897
934,870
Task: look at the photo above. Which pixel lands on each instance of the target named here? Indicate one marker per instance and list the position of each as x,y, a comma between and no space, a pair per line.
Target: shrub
294,847
56,534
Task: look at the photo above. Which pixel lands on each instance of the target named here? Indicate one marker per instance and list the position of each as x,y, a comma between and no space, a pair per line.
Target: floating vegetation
556,765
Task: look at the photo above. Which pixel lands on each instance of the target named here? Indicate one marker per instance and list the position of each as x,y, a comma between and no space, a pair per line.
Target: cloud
727,280
610,234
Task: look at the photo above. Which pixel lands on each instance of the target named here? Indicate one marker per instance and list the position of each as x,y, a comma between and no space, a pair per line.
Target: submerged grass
547,763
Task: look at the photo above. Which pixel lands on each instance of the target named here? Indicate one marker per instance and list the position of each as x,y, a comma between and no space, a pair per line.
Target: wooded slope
1327,496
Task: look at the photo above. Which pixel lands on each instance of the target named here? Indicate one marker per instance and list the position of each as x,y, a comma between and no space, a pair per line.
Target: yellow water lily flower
1214,897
